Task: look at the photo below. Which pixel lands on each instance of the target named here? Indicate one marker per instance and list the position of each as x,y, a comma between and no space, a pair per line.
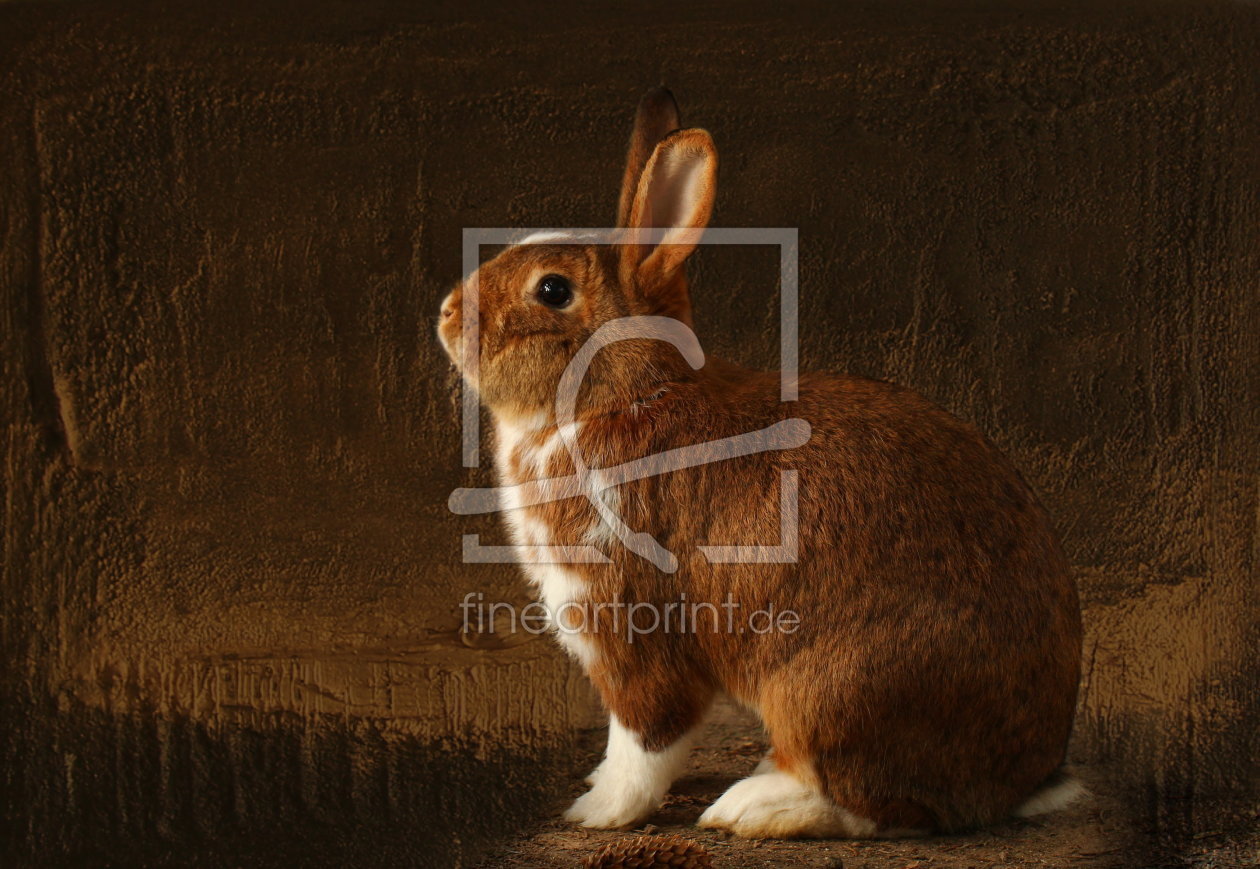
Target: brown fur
932,681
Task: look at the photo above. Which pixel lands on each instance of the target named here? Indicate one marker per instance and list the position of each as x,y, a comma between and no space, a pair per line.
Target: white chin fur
630,783
777,805
1052,798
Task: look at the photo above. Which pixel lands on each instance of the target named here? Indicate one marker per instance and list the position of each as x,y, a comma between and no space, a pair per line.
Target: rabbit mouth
450,337
450,345
453,344
450,327
454,351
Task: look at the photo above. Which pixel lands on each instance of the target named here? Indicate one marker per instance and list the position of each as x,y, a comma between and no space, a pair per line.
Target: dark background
230,582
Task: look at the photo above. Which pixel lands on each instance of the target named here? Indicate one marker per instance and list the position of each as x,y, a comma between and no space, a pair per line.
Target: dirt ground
1097,832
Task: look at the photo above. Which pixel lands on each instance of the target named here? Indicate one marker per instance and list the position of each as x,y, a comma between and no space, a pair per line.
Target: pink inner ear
674,191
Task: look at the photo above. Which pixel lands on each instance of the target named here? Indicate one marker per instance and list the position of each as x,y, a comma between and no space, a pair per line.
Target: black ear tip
659,100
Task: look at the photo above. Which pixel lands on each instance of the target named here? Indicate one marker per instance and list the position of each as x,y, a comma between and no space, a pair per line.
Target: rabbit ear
675,196
656,118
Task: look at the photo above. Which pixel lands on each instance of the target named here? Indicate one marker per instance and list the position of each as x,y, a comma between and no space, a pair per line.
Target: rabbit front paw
610,806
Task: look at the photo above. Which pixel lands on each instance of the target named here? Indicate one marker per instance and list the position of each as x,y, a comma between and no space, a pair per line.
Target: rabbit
926,680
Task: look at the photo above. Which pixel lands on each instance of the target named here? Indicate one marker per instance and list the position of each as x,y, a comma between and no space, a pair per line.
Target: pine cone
650,852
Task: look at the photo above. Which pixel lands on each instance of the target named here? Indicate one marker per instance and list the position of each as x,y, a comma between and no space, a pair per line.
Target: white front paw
606,806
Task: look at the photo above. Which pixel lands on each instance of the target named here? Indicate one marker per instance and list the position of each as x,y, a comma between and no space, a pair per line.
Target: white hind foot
1058,792
593,775
629,784
775,805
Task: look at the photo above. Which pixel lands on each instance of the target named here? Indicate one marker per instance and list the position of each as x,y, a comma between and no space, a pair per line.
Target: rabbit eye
554,291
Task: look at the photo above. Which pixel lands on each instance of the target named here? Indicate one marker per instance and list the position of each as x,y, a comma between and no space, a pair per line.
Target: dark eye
554,291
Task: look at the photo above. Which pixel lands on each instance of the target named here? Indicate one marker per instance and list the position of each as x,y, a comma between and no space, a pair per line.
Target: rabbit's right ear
656,118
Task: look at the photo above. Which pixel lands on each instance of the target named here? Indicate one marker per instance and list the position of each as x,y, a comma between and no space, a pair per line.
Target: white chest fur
525,453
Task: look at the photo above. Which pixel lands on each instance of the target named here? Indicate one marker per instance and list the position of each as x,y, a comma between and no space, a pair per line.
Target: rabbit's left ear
670,210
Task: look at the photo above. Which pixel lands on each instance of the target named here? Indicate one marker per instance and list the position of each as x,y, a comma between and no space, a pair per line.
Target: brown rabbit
925,678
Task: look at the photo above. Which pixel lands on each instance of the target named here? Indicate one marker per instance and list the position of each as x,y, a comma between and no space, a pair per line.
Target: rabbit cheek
513,384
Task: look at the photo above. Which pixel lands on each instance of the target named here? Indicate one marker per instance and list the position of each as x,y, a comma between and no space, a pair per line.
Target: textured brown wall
230,583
